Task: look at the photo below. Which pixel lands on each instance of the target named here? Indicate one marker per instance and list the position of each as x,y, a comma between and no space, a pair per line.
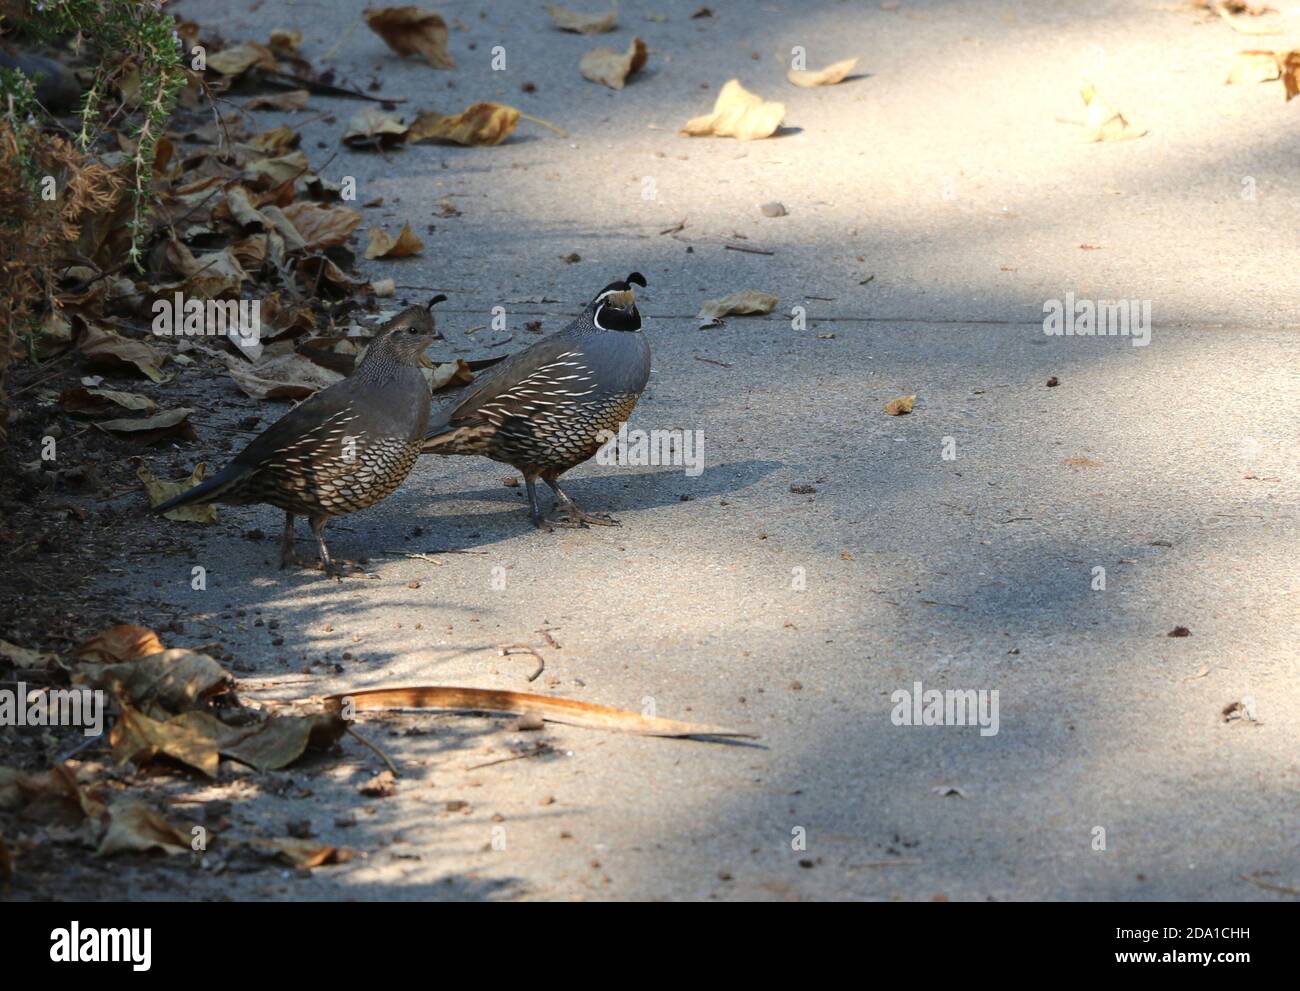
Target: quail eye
412,330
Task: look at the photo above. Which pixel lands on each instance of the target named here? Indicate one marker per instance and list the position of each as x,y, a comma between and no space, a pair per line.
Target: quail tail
209,490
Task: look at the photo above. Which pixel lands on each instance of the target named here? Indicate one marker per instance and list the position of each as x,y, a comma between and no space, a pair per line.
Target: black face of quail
616,305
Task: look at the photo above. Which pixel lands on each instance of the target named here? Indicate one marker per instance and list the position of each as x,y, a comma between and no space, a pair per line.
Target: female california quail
543,410
343,449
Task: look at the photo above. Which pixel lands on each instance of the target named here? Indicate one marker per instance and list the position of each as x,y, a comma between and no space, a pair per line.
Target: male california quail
543,409
343,449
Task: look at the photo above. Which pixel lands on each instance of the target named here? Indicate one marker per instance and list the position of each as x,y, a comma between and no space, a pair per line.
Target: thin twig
1270,887
374,749
333,49
522,649
545,123
748,250
541,749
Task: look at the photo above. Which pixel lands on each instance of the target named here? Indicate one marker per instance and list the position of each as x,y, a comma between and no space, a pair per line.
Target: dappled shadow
970,573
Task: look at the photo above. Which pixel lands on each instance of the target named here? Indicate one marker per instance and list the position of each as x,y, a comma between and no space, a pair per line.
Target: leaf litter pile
175,717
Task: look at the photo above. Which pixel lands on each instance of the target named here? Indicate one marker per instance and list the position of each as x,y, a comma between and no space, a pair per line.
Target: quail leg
534,506
568,514
288,555
318,529
331,567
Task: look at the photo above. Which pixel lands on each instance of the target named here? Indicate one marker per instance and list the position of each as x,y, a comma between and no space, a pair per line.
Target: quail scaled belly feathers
343,449
544,410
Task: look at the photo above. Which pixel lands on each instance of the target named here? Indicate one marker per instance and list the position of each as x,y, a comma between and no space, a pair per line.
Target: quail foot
552,406
343,449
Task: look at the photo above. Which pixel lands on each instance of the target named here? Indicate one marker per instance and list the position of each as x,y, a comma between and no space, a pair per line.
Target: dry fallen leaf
199,739
277,141
384,245
286,376
108,350
1290,63
159,491
569,20
160,683
123,642
449,375
605,65
302,853
134,826
1254,67
1229,14
828,76
188,738
322,226
372,128
900,406
738,113
1104,122
412,31
82,401
239,59
25,658
1265,66
294,99
747,301
480,124
281,168
151,429
284,42
556,710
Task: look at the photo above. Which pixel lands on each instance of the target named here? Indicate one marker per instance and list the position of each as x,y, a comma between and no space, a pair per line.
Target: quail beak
425,360
623,300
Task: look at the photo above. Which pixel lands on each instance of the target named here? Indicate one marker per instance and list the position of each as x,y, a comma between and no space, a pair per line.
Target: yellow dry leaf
134,826
412,31
747,301
284,42
322,226
280,169
116,644
384,245
372,128
1290,63
239,59
900,406
1104,122
738,113
277,141
828,76
448,375
605,65
302,853
159,491
481,124
570,20
1254,67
